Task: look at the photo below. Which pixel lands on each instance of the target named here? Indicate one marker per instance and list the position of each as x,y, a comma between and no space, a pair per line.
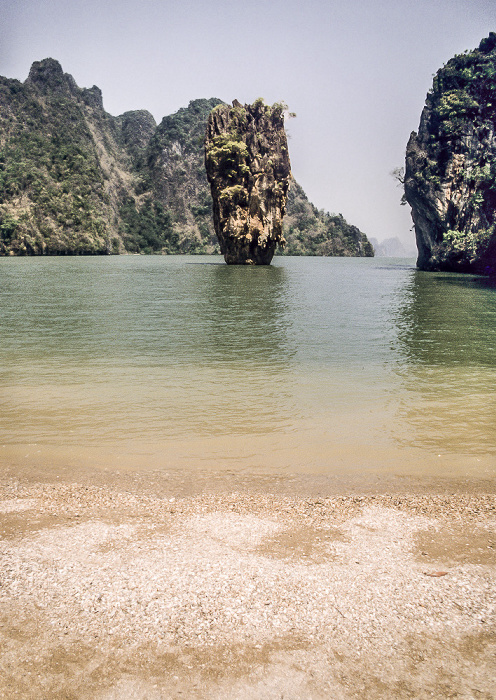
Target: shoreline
113,591
181,482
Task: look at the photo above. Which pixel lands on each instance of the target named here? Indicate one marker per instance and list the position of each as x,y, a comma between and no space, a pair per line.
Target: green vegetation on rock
309,231
450,176
247,165
147,230
228,155
76,180
51,181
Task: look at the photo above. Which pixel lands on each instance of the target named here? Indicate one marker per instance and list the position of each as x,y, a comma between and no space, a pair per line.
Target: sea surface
316,366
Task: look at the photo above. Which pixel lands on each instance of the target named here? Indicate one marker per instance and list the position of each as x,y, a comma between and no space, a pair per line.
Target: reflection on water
312,365
244,318
139,348
242,341
447,342
448,319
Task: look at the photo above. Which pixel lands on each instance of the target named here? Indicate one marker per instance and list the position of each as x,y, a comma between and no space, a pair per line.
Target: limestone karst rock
450,175
76,180
247,164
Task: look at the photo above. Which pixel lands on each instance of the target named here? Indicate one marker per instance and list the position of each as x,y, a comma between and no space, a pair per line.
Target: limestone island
248,168
450,174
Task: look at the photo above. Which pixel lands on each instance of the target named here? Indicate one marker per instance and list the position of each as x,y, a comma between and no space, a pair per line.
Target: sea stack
248,168
450,175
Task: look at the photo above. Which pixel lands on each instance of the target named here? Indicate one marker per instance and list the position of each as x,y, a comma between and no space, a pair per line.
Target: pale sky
356,73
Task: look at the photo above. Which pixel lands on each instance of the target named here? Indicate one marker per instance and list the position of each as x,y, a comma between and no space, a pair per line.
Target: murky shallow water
309,366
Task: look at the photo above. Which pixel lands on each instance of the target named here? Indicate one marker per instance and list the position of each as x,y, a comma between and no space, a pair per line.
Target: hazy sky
355,72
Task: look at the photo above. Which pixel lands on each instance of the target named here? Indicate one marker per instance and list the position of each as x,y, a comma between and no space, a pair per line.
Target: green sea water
311,366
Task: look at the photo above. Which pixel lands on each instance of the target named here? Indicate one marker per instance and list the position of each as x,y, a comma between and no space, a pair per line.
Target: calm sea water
309,366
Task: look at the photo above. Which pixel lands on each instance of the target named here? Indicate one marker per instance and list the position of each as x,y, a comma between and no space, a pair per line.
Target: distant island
248,168
392,248
75,180
450,174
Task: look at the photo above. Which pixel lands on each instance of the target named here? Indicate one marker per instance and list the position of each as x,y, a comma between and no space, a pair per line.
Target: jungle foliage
76,180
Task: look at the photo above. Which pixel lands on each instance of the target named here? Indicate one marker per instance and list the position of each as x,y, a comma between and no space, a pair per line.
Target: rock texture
66,166
76,180
450,175
247,163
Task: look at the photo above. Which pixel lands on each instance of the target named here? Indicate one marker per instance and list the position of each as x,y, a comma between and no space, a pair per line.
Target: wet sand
151,587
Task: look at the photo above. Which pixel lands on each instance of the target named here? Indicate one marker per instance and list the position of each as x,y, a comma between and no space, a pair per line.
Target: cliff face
176,175
310,231
77,180
247,163
450,174
64,166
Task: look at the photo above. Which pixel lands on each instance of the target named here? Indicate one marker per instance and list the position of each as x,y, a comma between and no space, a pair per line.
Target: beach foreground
111,593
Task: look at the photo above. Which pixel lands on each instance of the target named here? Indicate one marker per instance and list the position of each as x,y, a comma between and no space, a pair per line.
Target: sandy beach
113,591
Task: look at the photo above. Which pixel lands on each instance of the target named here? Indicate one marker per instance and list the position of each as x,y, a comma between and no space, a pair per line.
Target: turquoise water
309,366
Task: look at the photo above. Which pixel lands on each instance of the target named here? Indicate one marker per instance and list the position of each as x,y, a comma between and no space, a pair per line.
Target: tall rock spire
247,163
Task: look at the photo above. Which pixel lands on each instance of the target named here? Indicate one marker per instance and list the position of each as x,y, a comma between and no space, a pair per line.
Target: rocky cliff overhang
450,174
